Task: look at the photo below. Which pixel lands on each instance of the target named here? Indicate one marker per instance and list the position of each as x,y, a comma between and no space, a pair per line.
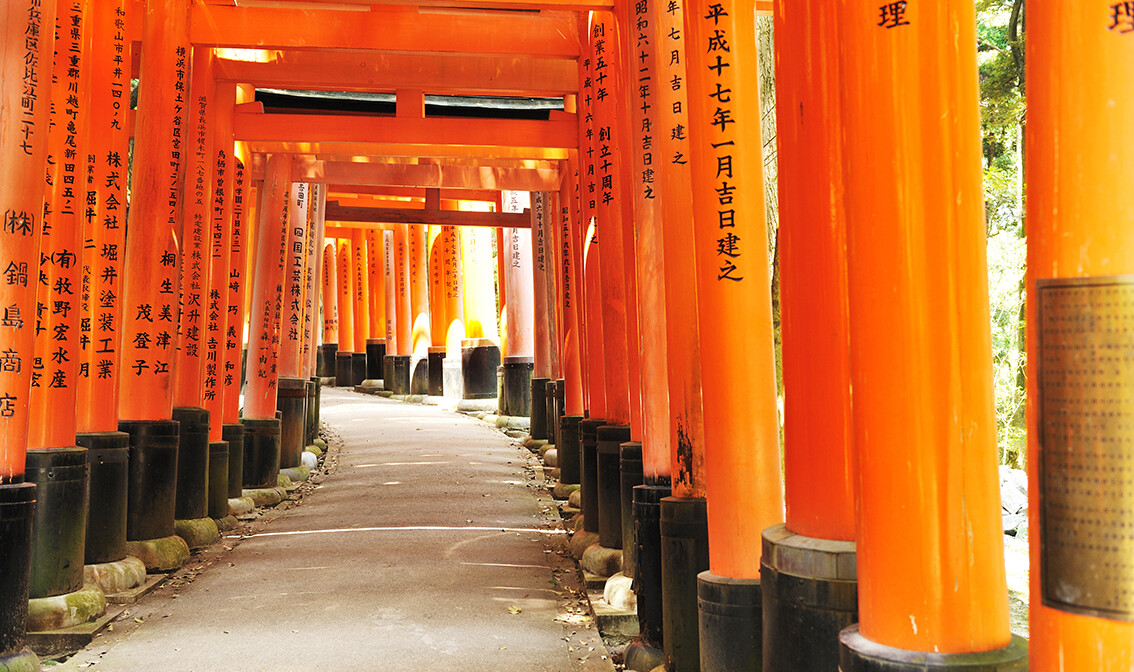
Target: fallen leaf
138,620
514,609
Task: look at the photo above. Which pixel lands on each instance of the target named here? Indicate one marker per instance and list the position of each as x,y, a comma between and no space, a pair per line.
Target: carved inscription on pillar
1086,432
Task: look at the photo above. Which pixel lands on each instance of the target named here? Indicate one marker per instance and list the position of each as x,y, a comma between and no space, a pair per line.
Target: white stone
309,460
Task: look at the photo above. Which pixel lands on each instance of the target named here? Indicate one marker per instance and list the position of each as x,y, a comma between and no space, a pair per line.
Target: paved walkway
428,547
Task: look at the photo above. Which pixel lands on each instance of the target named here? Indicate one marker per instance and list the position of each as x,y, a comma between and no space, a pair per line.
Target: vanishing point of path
428,547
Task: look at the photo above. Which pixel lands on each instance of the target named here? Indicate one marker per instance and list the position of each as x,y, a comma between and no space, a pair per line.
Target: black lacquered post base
218,479
859,654
419,374
517,386
261,452
315,416
233,435
610,438
291,402
436,371
17,515
310,419
357,368
568,449
730,623
375,358
479,361
538,396
108,456
648,572
325,360
398,374
344,369
192,463
630,476
588,472
150,495
810,595
551,409
685,554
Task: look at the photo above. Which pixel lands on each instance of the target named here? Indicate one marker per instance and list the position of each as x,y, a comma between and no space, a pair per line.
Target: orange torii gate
648,301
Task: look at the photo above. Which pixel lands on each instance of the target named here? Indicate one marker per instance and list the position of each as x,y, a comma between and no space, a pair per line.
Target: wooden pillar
590,313
389,254
346,298
265,326
150,275
519,322
317,196
543,278
405,322
930,561
330,296
1080,60
242,213
437,307
376,274
453,288
480,296
417,261
295,255
567,248
361,296
194,254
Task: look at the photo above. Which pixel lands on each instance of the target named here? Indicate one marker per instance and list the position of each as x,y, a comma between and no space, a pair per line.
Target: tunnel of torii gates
604,162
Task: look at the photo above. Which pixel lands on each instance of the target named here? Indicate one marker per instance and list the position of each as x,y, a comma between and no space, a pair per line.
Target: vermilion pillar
361,305
742,459
376,278
566,247
315,261
544,314
344,364
930,561
294,284
453,296
1080,60
149,296
27,48
401,372
480,351
330,296
520,320
389,254
243,211
418,266
437,309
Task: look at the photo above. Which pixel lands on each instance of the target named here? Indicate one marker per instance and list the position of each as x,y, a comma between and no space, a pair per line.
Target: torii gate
650,291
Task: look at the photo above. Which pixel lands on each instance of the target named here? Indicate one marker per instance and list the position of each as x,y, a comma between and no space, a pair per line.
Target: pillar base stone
601,560
197,532
65,611
299,473
810,595
20,661
116,577
164,554
581,541
859,654
642,657
731,620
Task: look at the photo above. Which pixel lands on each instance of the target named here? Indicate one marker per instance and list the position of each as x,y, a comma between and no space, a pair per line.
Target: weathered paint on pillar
611,191
1080,60
818,430
25,84
742,457
453,290
405,323
346,297
56,319
237,277
294,283
194,253
390,255
266,308
330,296
220,241
683,340
108,153
150,265
375,272
650,274
517,279
479,293
361,294
921,355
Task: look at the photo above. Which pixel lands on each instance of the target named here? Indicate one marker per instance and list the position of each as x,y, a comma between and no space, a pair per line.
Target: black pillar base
810,596
685,554
648,573
261,452
375,358
315,414
151,493
291,402
357,368
234,436
552,411
517,386
436,372
568,449
609,438
218,479
859,654
17,515
538,402
310,424
419,374
479,361
59,535
630,477
192,463
325,361
108,455
344,369
731,618
398,374
588,472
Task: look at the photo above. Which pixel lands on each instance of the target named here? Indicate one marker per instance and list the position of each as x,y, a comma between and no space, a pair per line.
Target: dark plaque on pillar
1085,361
